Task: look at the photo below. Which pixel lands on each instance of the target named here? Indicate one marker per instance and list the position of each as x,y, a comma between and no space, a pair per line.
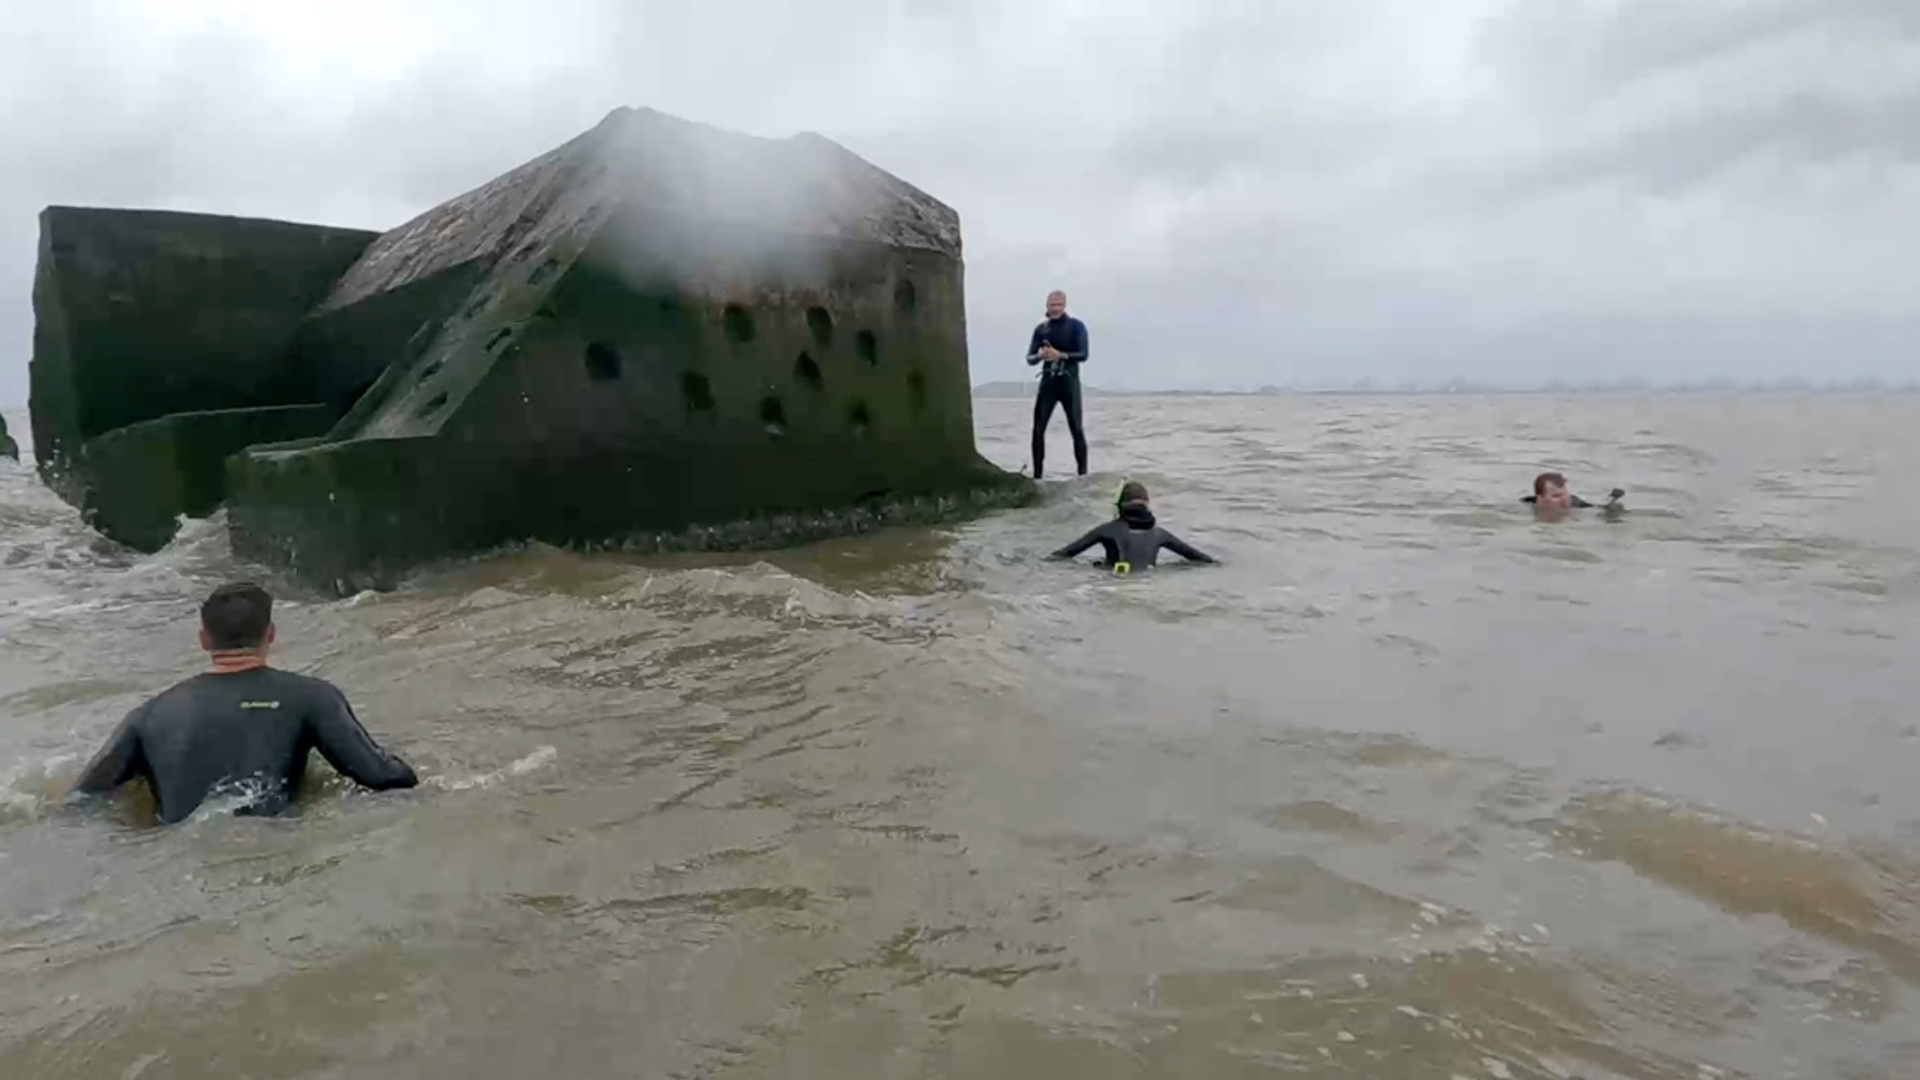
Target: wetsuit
1059,385
244,732
1132,540
1578,503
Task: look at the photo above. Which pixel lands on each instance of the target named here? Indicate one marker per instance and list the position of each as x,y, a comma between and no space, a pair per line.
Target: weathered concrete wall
676,325
347,348
143,477
391,304
144,313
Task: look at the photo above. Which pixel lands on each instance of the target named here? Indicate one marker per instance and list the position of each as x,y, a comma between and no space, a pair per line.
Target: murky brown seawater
1410,787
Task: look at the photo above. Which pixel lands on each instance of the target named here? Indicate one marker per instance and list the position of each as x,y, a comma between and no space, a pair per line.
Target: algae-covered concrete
143,313
655,326
149,475
165,341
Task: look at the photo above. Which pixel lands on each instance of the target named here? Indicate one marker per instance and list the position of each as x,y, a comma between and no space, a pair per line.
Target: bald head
1056,304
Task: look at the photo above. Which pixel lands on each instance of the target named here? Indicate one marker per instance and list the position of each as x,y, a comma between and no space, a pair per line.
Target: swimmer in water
1132,539
1552,501
242,727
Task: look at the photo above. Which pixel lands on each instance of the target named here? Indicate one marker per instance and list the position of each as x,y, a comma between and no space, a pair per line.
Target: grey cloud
1577,47
1685,153
1331,187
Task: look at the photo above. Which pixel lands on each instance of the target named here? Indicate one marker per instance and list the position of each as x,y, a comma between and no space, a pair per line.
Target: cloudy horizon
1233,193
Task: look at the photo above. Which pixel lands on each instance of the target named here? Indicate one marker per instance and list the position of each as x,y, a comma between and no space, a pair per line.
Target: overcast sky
1233,192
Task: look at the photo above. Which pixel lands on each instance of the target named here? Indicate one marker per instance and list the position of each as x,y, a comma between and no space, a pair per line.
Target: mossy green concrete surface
664,326
145,313
164,342
144,477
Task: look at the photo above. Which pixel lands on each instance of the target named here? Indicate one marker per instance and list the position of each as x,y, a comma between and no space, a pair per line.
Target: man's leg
1070,397
1043,404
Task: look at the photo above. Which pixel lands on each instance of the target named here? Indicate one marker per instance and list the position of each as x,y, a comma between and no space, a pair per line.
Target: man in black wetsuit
1059,344
1551,500
242,728
1132,539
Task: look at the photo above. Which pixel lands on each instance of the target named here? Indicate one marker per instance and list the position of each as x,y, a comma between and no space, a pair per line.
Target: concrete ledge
136,483
353,516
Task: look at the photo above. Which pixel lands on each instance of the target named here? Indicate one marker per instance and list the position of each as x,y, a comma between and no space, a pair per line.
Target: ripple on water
1321,816
1562,553
1863,899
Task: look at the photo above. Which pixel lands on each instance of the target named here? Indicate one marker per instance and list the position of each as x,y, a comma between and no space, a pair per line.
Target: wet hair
236,616
1133,491
1546,480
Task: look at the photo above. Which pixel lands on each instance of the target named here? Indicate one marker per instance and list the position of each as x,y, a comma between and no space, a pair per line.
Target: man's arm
338,736
1185,550
1080,349
1038,339
117,762
1091,538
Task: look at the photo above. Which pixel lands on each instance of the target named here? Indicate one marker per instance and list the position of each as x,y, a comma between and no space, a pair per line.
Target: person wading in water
1133,539
242,728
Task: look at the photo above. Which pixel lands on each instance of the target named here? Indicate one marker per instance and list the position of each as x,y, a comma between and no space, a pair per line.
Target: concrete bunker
649,349
657,333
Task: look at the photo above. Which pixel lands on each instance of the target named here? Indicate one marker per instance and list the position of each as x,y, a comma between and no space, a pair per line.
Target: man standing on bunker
1059,345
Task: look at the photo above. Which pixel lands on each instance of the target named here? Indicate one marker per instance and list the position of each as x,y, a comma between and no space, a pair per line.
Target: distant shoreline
1023,389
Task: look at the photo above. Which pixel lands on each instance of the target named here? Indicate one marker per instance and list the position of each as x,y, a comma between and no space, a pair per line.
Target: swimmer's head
1056,304
237,617
1132,493
1550,492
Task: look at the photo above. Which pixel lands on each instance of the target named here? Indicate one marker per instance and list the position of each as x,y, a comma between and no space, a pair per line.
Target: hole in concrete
696,391
604,362
773,415
543,271
433,405
808,372
859,419
917,390
499,336
739,324
433,368
905,296
820,325
545,311
868,347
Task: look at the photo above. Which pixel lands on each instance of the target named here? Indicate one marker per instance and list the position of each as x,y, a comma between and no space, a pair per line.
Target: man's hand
1048,352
